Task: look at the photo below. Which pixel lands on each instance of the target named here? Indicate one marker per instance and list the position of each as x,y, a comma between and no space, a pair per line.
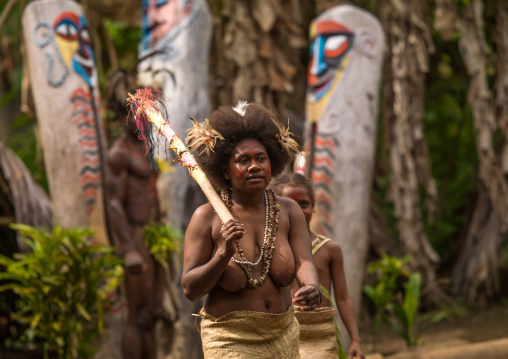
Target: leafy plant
404,317
162,241
388,269
400,312
62,285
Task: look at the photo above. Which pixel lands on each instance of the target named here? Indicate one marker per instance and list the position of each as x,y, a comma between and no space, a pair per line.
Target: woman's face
300,196
249,167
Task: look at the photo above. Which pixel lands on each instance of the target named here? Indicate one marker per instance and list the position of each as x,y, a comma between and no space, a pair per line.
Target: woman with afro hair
246,266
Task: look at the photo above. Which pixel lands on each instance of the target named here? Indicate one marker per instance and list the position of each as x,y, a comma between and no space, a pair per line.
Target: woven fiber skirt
250,335
317,334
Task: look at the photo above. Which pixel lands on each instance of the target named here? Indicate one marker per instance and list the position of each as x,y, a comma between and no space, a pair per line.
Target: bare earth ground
475,326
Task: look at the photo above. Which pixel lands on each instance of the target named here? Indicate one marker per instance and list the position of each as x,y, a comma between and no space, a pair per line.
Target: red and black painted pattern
90,162
322,176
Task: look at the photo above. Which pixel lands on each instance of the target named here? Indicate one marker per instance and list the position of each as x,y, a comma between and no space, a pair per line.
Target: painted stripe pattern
322,165
90,166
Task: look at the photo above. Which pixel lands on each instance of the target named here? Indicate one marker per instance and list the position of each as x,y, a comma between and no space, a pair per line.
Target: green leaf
61,284
35,320
83,312
395,326
412,298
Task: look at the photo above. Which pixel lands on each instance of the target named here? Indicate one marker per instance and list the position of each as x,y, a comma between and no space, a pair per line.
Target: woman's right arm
201,270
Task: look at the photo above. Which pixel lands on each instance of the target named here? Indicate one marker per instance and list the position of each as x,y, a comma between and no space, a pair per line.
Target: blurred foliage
449,131
163,241
23,142
22,130
388,269
62,286
125,40
12,26
403,318
396,298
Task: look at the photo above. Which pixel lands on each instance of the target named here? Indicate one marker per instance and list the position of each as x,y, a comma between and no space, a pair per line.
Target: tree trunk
345,136
256,53
476,274
30,204
409,41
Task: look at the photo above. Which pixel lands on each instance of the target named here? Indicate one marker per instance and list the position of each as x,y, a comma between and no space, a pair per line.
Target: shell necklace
272,211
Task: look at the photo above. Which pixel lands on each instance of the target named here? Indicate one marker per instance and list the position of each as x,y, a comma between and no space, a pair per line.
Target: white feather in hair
240,107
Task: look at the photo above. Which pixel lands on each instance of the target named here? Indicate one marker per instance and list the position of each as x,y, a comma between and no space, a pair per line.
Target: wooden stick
144,110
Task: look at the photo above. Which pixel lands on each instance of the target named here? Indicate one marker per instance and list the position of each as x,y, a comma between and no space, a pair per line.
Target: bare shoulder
288,203
204,212
332,245
119,146
334,249
204,219
291,210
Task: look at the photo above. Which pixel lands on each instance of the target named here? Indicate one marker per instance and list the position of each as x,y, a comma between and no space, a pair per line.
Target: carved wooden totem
342,105
64,84
174,58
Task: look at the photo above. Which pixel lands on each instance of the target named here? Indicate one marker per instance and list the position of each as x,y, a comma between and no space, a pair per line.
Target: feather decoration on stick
148,106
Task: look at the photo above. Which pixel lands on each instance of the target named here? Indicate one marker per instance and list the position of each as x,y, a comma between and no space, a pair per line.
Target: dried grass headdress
287,143
203,134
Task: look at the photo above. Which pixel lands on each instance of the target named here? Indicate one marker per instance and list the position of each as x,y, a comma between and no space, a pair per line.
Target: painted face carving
73,42
161,17
249,167
330,42
300,196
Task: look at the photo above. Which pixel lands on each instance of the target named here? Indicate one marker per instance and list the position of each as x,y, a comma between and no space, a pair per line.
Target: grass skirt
317,334
250,335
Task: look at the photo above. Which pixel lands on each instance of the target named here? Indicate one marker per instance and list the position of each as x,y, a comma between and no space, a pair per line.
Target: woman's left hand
307,297
355,351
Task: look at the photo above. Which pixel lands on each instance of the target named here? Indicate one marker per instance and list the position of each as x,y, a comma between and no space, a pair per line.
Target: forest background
441,168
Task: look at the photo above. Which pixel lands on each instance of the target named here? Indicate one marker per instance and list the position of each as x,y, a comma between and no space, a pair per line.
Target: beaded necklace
272,211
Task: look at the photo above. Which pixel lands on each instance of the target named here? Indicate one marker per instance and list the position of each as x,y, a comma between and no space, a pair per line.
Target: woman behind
245,266
329,264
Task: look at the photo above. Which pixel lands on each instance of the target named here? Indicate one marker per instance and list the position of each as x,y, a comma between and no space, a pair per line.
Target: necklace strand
264,240
272,211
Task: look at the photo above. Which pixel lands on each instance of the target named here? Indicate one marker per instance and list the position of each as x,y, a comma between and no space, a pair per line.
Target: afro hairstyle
257,122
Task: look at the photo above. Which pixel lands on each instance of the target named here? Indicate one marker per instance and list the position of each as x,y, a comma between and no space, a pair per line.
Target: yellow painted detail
315,109
312,30
67,49
164,166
